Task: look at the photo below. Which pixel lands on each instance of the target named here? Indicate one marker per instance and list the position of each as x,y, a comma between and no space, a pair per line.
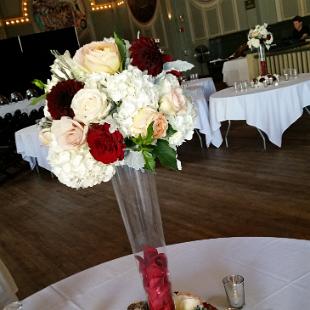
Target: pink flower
69,134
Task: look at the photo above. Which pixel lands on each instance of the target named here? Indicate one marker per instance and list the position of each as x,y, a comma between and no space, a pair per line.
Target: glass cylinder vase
136,195
262,59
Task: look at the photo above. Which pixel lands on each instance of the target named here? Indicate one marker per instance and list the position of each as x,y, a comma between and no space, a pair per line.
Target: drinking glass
234,288
236,86
244,86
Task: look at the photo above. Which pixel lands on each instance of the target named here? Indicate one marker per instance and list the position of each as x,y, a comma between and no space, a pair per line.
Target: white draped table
235,70
276,272
23,106
272,109
29,146
199,91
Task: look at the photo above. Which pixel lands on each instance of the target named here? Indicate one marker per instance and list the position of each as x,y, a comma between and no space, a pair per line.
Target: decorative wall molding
280,9
158,17
205,3
190,18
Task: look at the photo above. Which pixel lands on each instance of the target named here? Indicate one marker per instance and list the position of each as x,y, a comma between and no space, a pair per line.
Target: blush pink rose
160,126
173,102
69,134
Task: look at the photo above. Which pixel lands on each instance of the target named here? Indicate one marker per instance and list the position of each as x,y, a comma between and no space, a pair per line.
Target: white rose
90,105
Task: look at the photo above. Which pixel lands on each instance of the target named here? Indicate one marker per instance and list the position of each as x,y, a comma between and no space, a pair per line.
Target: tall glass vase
262,59
137,199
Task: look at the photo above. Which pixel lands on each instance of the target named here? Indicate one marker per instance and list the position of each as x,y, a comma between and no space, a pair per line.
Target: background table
272,109
199,91
23,106
29,146
235,70
276,271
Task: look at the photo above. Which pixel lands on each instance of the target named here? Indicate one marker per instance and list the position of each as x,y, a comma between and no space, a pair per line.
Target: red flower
105,146
154,270
146,55
60,98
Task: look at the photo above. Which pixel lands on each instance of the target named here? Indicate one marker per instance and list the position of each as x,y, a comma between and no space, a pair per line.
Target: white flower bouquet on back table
114,104
260,35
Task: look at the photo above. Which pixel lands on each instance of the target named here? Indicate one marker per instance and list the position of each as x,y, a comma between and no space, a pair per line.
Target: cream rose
173,102
45,136
99,56
186,301
90,105
144,117
69,134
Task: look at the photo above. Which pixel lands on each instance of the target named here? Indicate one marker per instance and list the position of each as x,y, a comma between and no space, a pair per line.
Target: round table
23,105
276,272
272,109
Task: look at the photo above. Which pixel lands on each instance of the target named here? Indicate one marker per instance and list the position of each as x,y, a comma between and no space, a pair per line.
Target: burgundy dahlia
146,55
60,97
104,146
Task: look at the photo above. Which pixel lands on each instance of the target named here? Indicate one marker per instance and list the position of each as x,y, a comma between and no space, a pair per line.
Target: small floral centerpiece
265,80
260,38
114,103
260,35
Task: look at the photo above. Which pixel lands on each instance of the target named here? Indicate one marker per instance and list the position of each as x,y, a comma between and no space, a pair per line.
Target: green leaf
122,50
39,84
166,155
149,159
37,100
170,131
129,143
149,135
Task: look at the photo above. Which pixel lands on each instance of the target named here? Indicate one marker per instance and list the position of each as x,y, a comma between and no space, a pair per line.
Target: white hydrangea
134,160
184,125
77,168
133,90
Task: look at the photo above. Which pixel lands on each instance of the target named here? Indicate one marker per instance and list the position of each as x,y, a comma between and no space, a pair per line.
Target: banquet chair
8,288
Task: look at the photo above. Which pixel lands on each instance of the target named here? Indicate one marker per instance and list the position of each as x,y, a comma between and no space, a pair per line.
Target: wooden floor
48,231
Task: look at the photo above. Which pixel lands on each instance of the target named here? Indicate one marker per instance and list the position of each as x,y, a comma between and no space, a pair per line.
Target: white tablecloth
200,91
276,272
29,146
235,70
272,109
23,106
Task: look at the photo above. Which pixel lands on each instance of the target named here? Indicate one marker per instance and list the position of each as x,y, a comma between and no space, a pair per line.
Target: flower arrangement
114,103
265,80
259,35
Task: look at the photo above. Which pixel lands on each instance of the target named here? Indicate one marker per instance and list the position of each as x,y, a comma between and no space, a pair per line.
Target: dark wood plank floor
48,231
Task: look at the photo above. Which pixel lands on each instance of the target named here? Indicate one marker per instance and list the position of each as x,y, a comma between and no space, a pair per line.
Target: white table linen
30,147
272,109
207,84
8,286
235,70
23,106
276,272
199,91
196,93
